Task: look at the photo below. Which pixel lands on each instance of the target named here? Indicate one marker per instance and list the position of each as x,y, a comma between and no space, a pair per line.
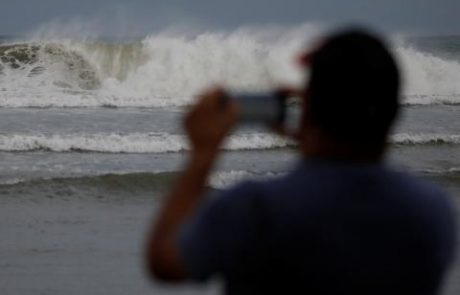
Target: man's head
353,90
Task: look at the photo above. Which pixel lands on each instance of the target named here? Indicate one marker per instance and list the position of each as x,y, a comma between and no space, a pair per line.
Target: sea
91,137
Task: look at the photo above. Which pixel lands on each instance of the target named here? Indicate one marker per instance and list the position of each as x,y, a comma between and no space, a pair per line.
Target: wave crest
167,70
139,181
129,143
170,143
424,139
51,64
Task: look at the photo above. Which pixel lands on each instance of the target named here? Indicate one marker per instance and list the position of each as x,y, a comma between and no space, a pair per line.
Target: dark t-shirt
325,228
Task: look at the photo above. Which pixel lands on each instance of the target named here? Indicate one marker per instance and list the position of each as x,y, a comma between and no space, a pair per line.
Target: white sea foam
217,180
129,143
428,79
441,171
13,181
167,143
168,69
225,179
420,139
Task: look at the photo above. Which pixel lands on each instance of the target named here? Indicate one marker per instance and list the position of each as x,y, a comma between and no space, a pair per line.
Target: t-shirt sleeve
216,239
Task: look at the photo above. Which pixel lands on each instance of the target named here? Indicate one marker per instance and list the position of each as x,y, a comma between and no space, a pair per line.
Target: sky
141,17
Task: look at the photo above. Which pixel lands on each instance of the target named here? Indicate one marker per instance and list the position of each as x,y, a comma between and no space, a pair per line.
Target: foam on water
217,180
168,69
446,171
429,79
167,143
128,143
225,179
419,139
137,180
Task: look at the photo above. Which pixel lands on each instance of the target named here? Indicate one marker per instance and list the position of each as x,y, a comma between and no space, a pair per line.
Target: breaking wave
425,139
137,182
44,65
224,179
446,171
170,143
134,182
167,70
129,143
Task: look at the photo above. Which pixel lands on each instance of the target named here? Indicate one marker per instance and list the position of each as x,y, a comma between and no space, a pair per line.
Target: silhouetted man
342,222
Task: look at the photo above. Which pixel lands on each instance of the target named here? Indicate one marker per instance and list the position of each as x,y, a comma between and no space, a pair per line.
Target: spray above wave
167,70
429,79
161,70
169,143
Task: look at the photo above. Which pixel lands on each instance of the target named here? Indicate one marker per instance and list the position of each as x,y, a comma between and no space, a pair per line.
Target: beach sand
67,243
72,239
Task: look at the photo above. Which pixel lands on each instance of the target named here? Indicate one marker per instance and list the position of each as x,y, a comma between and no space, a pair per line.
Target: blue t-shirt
325,228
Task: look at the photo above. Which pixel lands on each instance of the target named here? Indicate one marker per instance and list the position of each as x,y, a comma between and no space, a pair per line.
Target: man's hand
209,121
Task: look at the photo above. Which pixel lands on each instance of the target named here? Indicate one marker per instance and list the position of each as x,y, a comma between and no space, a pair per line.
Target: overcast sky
140,17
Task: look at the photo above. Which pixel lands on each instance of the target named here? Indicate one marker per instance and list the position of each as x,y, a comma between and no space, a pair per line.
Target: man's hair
354,88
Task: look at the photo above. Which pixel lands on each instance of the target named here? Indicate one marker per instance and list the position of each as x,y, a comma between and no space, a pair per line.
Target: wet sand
71,244
71,241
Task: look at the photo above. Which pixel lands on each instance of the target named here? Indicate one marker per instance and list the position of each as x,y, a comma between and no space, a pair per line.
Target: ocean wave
26,98
441,171
139,182
43,65
449,175
80,99
170,143
131,181
135,181
129,143
224,179
425,139
168,70
428,79
432,99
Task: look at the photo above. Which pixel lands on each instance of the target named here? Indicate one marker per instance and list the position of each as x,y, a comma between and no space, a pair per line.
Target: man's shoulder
426,199
317,183
415,184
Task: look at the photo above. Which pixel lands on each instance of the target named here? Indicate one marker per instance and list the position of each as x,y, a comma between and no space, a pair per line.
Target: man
341,223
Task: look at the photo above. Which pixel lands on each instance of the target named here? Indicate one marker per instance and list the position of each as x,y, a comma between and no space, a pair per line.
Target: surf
165,69
161,142
136,181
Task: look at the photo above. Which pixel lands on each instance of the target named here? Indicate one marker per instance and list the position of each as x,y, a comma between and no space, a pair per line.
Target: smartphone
260,107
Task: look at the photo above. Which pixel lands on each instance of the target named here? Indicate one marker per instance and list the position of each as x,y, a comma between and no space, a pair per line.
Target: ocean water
90,137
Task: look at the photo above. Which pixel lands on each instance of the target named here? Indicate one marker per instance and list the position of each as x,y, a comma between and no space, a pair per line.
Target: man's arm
206,125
